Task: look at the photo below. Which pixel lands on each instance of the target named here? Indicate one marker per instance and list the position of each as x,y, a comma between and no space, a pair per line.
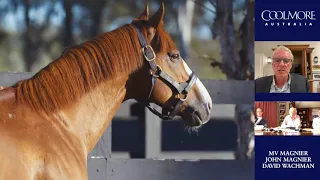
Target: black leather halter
156,72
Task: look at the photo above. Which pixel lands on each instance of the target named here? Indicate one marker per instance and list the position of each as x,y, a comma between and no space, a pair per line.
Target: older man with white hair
292,120
282,81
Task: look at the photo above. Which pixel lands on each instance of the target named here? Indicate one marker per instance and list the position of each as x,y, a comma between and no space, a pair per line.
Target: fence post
98,158
153,134
244,115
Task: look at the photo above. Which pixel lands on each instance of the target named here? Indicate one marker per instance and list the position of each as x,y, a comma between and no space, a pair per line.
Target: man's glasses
278,60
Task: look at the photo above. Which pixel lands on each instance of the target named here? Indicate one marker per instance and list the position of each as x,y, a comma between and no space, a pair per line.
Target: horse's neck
93,113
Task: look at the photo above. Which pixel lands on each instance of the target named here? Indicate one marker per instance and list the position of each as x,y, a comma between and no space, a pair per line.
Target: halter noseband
156,72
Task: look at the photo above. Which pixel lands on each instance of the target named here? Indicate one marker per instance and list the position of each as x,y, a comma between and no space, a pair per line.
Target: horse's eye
175,56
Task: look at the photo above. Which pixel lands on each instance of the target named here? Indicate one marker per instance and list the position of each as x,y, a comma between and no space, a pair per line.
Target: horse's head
165,79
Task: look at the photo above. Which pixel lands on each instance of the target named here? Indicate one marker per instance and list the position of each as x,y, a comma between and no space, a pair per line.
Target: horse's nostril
209,106
197,113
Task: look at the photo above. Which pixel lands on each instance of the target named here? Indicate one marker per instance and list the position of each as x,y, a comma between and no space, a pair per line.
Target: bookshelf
303,113
282,109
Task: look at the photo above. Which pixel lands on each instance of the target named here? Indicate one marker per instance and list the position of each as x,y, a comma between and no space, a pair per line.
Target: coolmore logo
288,18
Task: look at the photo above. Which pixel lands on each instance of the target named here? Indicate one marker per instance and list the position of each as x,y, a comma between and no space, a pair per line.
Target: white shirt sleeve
297,122
316,123
284,122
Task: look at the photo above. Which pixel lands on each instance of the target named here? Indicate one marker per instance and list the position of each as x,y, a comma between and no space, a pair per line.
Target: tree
95,9
184,19
33,40
237,65
68,35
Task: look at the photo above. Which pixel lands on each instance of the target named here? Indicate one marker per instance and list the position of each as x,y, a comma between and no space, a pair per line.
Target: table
307,132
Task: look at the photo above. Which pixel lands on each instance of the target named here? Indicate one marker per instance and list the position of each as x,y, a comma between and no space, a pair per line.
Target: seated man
316,122
292,120
259,119
282,81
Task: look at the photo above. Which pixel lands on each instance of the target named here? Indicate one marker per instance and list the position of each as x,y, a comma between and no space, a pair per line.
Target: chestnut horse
50,122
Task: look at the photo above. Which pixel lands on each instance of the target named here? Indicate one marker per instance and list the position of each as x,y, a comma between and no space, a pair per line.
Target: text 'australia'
288,18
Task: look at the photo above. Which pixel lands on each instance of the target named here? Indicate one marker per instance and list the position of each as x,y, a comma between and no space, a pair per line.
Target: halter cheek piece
156,72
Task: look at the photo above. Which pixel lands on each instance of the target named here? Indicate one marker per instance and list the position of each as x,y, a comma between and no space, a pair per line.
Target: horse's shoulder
6,93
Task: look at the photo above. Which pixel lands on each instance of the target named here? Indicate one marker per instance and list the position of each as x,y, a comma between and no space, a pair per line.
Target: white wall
308,104
260,64
267,69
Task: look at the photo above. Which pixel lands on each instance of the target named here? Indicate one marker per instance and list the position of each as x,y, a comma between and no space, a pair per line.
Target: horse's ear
145,14
157,19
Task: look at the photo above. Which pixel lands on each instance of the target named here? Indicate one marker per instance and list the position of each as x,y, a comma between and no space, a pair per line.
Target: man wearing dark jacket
282,81
259,119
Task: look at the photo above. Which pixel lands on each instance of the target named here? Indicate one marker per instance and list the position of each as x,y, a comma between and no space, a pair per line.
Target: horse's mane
82,67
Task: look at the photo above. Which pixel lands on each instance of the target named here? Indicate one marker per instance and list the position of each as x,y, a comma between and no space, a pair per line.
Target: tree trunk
67,38
238,66
245,124
247,35
223,28
96,8
96,16
28,51
184,18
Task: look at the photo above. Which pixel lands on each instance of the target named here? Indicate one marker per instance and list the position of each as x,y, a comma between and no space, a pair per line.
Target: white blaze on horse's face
207,102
